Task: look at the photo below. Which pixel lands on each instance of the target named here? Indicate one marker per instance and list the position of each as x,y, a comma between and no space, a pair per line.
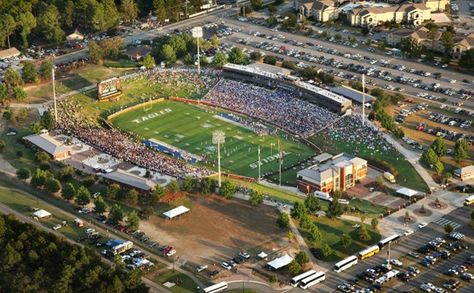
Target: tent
176,212
407,192
40,214
262,255
280,262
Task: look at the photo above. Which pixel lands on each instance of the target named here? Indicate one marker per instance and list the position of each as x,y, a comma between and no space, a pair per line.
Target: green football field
188,127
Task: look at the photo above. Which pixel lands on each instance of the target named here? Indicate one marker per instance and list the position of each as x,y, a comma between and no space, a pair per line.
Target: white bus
469,200
219,287
312,280
388,240
296,280
345,264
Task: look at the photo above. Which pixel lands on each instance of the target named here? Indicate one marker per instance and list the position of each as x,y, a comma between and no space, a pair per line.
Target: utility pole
363,99
54,96
258,164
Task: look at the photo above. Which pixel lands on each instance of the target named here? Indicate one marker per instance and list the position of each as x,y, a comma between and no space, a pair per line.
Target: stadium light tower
363,99
218,137
197,33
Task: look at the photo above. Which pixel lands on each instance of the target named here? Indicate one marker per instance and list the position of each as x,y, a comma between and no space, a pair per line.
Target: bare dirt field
216,229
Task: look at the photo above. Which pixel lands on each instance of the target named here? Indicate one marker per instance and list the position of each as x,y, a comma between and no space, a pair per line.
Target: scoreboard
109,88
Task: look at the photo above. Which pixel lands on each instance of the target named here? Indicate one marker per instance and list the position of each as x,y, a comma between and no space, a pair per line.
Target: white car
226,266
171,252
427,287
396,262
422,225
408,232
244,254
201,268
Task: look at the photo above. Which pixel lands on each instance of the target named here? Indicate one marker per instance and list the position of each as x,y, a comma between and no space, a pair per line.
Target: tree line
35,261
48,21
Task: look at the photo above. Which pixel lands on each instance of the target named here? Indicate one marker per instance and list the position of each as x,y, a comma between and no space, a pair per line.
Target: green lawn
184,284
407,175
332,230
16,153
190,128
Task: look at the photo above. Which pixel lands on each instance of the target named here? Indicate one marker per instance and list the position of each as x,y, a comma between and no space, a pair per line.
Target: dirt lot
216,229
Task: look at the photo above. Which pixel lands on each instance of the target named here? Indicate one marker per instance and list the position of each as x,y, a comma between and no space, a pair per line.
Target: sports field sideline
190,128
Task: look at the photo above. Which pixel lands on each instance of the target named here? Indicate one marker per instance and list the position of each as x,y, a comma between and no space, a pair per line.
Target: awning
280,262
41,214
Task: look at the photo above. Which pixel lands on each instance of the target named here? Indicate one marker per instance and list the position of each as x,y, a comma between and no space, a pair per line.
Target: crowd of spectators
278,107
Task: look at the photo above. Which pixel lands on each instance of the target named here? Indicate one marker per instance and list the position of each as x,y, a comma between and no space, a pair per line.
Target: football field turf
188,127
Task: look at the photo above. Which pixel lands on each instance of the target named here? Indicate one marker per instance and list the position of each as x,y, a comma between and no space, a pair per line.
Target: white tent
176,212
262,255
280,262
41,214
407,192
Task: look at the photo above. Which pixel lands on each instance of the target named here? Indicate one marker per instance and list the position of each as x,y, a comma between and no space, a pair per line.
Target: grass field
184,284
331,232
190,128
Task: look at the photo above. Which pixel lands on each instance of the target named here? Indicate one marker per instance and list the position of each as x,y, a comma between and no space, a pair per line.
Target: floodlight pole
280,158
258,164
218,137
197,33
199,57
54,95
363,99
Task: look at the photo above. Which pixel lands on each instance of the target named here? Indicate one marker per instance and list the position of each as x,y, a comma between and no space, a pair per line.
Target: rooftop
130,179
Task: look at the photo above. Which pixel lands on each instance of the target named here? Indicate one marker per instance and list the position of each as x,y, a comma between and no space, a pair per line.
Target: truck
389,176
322,195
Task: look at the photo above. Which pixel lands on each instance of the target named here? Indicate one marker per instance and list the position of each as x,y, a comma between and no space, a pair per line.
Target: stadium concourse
279,107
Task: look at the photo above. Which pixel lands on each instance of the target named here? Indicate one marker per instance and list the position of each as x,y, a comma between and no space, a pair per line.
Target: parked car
226,266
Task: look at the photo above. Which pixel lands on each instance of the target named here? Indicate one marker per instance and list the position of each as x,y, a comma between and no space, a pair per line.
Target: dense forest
35,261
48,21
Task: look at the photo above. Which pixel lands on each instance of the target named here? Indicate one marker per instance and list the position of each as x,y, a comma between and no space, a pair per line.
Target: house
411,13
331,173
137,53
465,173
437,5
462,44
44,141
75,36
321,10
9,53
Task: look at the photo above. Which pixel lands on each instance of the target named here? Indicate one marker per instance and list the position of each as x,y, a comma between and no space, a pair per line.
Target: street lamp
218,137
197,33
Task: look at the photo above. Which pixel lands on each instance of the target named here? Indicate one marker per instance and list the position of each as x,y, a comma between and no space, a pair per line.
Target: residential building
462,44
332,173
465,173
321,10
437,5
137,53
412,14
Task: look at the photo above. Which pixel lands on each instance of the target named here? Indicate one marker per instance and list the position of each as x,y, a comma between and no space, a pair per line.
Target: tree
215,41
256,55
39,178
19,94
312,203
188,184
46,69
156,195
52,185
206,186
256,197
47,120
42,157
83,196
3,92
364,233
237,56
48,25
7,27
429,157
448,228
69,191
227,189
12,78
314,233
460,150
99,205
172,187
66,172
160,10
326,250
23,174
29,72
115,214
439,147
438,167
220,59
273,279
467,59
335,209
272,9
294,268
96,53
283,221
299,210
302,257
112,191
447,40
132,197
133,220
270,59
129,10
168,54
411,47
374,223
256,4
149,62
345,240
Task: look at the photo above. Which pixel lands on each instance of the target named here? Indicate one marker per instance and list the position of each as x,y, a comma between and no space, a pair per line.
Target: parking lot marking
443,222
